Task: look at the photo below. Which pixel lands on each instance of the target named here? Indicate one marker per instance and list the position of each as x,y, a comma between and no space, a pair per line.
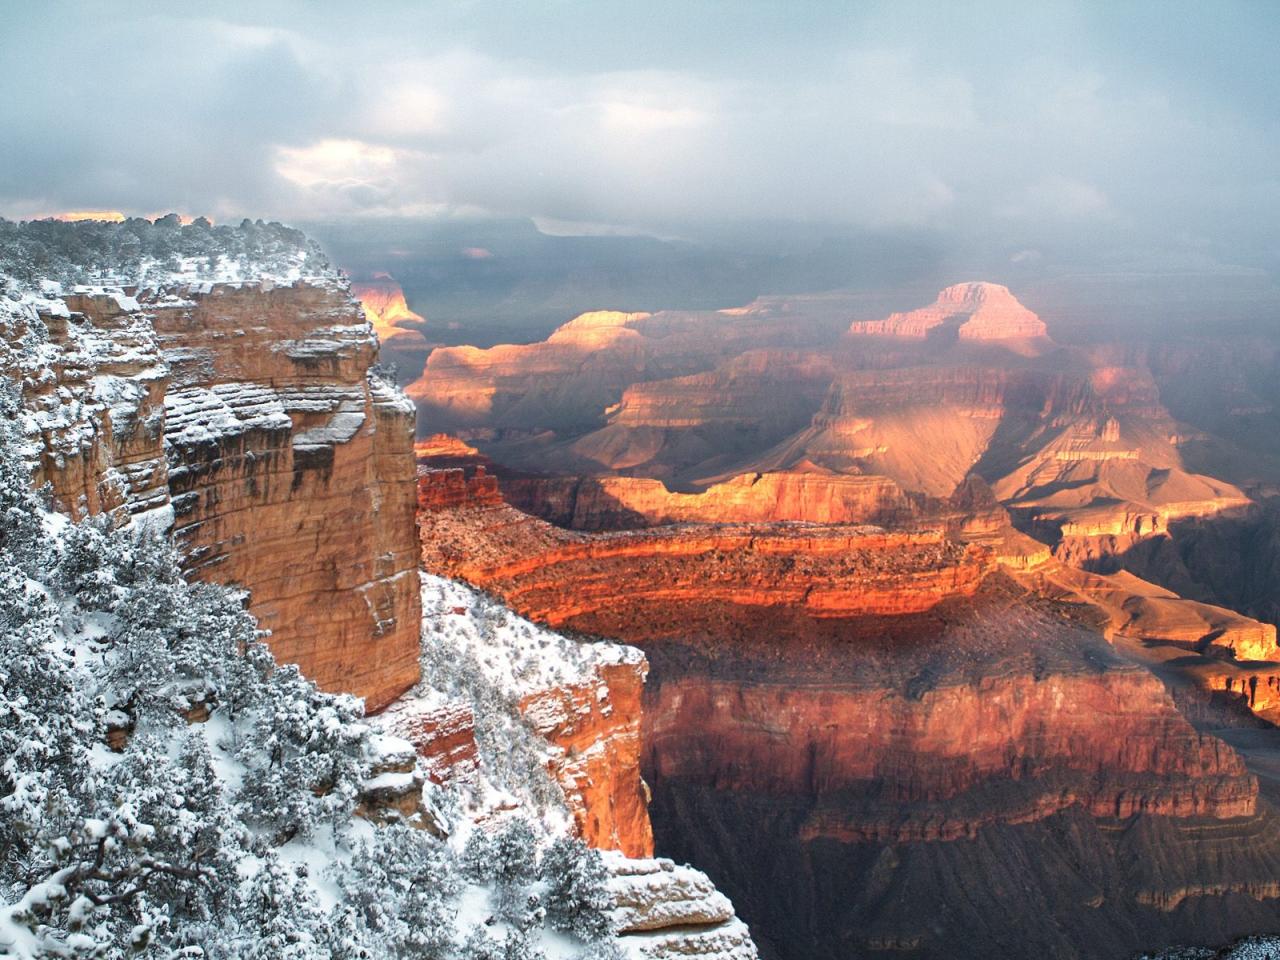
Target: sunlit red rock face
966,311
291,474
603,503
1076,442
690,570
399,328
938,736
598,763
585,366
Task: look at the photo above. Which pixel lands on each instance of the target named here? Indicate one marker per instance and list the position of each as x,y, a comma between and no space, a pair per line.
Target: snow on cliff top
41,258
517,656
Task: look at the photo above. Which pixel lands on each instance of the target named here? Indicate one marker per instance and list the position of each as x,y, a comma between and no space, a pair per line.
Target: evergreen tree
577,895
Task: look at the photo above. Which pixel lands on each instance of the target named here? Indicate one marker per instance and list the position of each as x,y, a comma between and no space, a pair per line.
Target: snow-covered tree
577,899
166,787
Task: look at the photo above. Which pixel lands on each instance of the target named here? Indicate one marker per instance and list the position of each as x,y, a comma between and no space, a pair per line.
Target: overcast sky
1148,129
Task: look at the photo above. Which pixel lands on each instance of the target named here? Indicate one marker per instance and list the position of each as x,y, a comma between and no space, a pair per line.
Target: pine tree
577,893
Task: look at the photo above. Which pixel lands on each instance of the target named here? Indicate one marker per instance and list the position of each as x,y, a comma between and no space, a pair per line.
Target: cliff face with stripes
245,415
848,725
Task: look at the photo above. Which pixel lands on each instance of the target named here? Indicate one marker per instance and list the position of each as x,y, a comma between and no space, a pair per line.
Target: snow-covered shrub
510,751
397,891
577,899
141,251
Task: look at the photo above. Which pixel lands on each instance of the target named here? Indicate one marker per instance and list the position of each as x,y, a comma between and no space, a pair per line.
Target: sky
1142,132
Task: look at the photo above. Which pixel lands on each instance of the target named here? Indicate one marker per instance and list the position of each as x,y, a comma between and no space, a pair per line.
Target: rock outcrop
664,910
399,329
1075,441
612,503
442,730
968,311
93,382
278,437
244,414
583,368
581,701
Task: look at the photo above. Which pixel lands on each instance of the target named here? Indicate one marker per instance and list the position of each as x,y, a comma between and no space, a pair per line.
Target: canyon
908,592
247,420
943,707
893,628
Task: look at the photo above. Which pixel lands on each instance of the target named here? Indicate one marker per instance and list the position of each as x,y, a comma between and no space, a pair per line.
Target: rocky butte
902,686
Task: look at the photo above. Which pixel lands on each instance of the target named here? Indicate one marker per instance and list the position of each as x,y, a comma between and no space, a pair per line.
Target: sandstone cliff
244,414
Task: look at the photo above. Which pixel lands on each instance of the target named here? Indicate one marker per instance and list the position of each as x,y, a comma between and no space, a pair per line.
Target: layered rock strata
662,910
277,437
1076,442
823,764
92,382
611,503
968,311
244,414
585,365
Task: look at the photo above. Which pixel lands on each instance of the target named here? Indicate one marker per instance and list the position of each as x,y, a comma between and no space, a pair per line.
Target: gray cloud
1141,133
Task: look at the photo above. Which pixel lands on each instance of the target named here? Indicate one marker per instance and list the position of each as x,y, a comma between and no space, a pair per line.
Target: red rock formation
399,329
441,729
278,439
971,311
1117,746
243,414
384,305
895,765
582,701
565,579
583,368
455,487
605,503
596,730
1076,442
96,399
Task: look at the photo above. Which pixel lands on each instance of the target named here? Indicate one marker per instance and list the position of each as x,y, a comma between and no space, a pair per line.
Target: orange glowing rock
385,306
973,311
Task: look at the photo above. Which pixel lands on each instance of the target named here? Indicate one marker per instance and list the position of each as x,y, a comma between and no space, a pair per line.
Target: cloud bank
1148,131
